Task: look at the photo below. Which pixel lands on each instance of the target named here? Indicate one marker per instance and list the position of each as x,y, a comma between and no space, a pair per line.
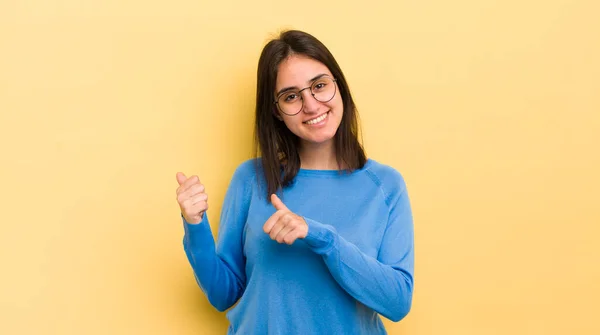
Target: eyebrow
296,87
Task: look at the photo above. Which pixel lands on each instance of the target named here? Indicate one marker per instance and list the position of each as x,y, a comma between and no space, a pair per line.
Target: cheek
337,102
292,123
338,107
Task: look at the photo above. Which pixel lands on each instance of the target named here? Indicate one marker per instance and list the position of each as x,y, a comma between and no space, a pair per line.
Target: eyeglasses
291,102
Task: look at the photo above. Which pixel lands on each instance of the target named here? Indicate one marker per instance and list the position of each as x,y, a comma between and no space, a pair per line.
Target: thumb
277,202
181,178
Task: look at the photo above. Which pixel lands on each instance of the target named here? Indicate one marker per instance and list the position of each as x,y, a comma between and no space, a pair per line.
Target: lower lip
320,123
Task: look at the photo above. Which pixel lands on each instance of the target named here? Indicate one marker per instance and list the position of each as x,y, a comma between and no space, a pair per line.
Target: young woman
314,237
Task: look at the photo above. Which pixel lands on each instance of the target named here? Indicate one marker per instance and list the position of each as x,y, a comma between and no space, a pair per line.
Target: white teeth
317,120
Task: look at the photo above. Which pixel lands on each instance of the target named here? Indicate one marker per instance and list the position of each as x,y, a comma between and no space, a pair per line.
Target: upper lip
316,117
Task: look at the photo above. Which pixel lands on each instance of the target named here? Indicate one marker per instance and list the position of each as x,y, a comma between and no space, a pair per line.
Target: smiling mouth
317,119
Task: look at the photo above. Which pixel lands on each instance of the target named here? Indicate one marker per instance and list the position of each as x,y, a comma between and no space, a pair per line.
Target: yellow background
490,109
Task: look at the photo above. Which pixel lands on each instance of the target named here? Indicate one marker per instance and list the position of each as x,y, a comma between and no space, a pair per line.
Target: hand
192,199
285,226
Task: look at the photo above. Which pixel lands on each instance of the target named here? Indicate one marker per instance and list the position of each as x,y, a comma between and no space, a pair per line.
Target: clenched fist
284,226
192,199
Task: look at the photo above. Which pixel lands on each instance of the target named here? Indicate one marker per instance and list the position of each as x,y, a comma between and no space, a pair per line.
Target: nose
311,105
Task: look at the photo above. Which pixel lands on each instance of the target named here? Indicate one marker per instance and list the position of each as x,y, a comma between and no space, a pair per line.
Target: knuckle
191,181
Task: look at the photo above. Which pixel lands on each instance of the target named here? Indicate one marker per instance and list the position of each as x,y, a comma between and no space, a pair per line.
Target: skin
316,144
191,197
317,150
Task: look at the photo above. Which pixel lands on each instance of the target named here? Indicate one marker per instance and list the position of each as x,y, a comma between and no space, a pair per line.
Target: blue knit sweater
355,263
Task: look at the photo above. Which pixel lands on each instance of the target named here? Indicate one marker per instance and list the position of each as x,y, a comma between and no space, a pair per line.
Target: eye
290,97
319,86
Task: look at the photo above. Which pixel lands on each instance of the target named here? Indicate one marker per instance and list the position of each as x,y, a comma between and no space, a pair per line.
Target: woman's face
318,114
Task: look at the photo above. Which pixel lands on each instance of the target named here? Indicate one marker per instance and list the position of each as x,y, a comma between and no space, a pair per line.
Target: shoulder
247,169
389,179
248,166
248,173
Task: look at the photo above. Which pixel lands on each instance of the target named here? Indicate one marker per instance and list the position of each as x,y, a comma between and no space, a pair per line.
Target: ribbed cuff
196,233
320,237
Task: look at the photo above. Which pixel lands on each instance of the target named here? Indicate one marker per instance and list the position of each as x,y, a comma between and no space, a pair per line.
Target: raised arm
219,268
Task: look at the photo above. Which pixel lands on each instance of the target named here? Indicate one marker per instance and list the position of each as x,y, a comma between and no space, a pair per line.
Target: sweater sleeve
219,268
385,283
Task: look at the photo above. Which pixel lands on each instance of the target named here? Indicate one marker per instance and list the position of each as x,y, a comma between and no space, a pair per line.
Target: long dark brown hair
277,145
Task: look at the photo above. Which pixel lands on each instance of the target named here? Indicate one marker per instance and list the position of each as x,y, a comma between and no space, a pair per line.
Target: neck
318,156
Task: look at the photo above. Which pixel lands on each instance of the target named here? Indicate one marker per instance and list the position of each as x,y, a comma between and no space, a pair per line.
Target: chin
319,139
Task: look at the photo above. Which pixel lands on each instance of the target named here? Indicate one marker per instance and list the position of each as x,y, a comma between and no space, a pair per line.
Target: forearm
385,288
214,277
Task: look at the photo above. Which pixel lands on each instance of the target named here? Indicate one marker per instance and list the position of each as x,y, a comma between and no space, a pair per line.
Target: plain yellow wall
490,109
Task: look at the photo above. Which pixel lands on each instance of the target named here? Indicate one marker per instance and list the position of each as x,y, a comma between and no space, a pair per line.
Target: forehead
297,70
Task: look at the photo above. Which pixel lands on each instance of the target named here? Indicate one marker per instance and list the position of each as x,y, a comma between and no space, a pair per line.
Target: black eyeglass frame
276,102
